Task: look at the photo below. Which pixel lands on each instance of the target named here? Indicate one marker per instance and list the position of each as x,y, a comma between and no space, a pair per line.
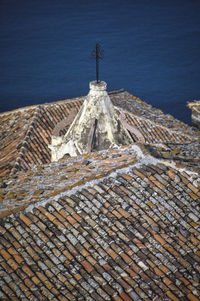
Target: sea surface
151,49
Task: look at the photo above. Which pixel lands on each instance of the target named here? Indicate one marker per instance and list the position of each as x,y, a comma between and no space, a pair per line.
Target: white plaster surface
109,130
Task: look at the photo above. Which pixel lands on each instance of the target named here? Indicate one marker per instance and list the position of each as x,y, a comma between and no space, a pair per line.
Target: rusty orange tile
112,253
68,285
2,230
193,224
173,252
67,254
167,281
50,216
86,245
126,258
115,247
171,174
28,282
12,251
106,204
16,244
77,276
71,220
91,222
129,252
54,291
159,185
25,219
107,267
89,268
191,297
41,276
152,179
185,281
135,268
84,252
158,271
125,297
193,195
58,223
194,240
69,297
116,213
160,239
48,284
59,217
28,271
23,287
43,237
5,254
18,258
124,284
91,260
6,267
35,280
62,278
131,272
77,217
194,189
32,253
139,174
63,213
149,219
126,177
172,296
56,252
124,213
13,264
164,268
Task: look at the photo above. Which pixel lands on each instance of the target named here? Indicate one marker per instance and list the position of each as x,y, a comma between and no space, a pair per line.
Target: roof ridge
21,109
26,108
30,128
63,101
158,124
138,155
71,189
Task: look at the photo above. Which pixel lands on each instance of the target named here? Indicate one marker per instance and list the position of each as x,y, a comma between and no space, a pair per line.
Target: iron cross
98,54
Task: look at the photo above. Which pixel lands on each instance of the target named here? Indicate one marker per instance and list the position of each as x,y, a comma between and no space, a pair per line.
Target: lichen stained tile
69,174
27,132
120,224
133,240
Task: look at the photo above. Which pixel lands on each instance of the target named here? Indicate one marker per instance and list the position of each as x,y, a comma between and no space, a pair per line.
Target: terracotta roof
119,224
130,232
27,132
65,175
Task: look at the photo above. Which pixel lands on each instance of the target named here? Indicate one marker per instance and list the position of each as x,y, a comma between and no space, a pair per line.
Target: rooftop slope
36,184
120,224
26,133
117,225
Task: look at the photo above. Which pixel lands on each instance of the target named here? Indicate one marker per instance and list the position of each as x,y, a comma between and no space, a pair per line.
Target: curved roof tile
120,224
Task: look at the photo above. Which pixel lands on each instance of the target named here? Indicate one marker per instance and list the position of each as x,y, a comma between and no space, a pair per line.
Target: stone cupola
96,126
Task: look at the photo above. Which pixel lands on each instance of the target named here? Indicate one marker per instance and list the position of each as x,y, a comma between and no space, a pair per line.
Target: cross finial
98,54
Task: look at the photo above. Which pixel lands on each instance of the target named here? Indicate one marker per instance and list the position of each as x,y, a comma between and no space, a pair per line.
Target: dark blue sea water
152,50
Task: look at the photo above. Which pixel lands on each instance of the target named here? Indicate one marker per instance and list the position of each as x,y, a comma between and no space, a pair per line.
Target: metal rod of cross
98,54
